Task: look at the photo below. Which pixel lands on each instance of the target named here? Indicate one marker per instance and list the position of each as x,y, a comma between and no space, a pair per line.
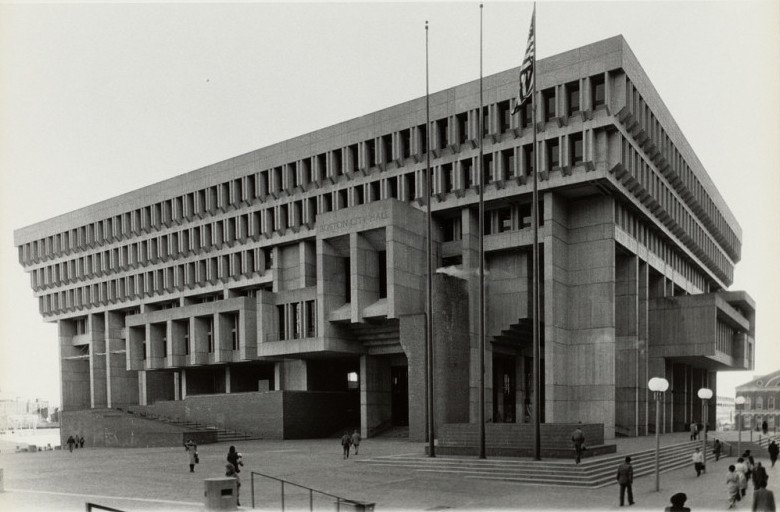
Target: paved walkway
158,479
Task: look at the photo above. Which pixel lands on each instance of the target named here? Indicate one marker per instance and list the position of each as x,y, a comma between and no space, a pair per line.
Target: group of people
348,440
233,467
745,470
75,441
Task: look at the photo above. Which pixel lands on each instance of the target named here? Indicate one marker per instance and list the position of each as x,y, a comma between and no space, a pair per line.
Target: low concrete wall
517,438
117,429
315,414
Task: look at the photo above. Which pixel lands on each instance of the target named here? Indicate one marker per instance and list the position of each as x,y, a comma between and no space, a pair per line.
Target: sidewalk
159,479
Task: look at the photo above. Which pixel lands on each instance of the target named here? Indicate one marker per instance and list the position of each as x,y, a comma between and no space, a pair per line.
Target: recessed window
447,178
552,153
598,91
352,380
575,148
504,219
382,264
548,99
282,323
573,97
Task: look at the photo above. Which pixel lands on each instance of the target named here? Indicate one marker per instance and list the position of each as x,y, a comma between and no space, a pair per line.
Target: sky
100,99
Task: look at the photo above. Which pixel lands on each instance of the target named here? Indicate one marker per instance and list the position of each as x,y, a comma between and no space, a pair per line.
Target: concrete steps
223,435
593,473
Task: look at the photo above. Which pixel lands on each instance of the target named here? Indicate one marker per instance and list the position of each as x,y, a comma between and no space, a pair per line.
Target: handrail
90,506
311,490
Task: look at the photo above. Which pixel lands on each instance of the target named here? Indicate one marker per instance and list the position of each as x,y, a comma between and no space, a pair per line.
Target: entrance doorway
399,395
504,388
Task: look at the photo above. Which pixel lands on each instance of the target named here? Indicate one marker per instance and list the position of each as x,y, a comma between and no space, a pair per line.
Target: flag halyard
527,69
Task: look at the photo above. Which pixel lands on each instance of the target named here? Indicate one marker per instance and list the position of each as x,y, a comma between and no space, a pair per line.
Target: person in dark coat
346,441
578,438
232,457
750,462
678,503
763,500
81,442
355,439
716,449
760,476
76,440
70,443
764,427
773,451
625,477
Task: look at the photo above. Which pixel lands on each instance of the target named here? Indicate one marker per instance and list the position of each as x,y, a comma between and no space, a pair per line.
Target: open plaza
159,479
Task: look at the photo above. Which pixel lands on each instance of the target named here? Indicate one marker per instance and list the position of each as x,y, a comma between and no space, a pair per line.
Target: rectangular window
504,219
297,319
548,100
234,332
311,318
382,263
504,116
210,334
526,115
552,153
187,339
598,91
573,97
463,131
392,188
467,178
575,149
441,133
528,158
447,178
282,323
347,280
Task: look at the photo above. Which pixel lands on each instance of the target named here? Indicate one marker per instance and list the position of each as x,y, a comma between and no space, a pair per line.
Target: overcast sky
97,100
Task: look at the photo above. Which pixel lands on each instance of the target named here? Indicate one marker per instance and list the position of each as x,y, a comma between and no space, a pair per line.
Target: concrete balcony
715,330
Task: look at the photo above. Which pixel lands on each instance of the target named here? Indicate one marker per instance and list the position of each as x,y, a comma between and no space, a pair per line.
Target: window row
757,403
156,282
649,132
673,212
396,147
655,243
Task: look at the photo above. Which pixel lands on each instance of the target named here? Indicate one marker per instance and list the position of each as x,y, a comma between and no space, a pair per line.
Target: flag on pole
527,68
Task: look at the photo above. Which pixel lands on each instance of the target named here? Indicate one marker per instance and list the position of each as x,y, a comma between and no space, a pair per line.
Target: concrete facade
301,266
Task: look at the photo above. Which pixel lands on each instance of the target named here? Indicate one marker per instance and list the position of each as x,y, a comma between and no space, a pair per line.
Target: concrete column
97,360
183,383
176,386
74,368
227,379
365,275
627,343
122,384
644,396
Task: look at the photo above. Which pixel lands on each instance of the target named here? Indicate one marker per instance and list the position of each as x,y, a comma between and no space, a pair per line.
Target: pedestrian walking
81,442
230,472
764,427
346,440
192,453
70,443
356,440
698,461
578,438
233,458
741,469
717,447
678,503
694,431
76,440
750,463
763,500
773,451
733,486
625,477
760,476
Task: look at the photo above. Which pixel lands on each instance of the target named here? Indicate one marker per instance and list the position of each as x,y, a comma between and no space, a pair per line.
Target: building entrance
399,395
504,388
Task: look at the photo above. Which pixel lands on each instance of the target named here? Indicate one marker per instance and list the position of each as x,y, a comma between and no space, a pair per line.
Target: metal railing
359,505
95,506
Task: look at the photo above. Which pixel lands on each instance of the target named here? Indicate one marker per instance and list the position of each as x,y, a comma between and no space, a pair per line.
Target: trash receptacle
354,506
220,494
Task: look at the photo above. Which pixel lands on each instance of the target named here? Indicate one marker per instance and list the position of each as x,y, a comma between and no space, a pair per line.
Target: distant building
724,413
762,401
22,413
282,292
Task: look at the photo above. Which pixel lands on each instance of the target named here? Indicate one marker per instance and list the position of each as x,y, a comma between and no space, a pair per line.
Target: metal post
481,328
429,256
739,434
704,434
252,487
282,481
657,440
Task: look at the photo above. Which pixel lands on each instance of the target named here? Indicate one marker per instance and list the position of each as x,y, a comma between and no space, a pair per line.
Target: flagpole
481,258
429,305
535,219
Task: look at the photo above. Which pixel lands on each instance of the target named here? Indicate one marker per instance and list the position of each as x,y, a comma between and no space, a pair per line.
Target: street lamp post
705,394
657,385
739,401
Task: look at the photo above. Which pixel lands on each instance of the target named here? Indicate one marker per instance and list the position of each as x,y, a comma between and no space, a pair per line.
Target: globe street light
705,394
740,400
657,385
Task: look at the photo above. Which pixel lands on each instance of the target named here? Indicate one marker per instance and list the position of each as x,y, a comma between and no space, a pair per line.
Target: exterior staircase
591,473
223,435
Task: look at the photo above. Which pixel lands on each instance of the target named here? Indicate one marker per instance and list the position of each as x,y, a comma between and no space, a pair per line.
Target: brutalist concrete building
282,292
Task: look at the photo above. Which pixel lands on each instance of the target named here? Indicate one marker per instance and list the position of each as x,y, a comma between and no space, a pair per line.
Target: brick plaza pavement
158,479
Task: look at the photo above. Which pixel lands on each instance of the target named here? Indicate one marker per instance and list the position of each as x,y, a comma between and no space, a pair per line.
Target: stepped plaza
158,479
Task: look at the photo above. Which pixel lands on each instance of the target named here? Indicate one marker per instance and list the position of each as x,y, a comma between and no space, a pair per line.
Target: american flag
527,68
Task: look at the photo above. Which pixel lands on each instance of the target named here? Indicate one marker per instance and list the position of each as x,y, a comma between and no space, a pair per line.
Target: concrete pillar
176,386
364,275
183,383
626,343
227,379
97,360
644,396
375,394
122,384
74,369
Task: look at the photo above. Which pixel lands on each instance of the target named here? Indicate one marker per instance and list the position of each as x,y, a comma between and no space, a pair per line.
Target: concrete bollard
220,494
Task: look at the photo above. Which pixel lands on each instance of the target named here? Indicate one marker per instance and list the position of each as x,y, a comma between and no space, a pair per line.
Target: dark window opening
423,138
487,169
526,115
552,153
598,90
575,149
485,122
311,318
463,132
359,194
370,153
297,319
441,133
529,161
337,163
387,147
573,94
406,143
382,262
548,99
210,334
504,219
392,188
504,117
467,178
282,323
375,194
347,280
447,177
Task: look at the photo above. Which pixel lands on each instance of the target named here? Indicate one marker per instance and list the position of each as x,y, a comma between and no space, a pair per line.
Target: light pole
657,385
740,400
705,394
